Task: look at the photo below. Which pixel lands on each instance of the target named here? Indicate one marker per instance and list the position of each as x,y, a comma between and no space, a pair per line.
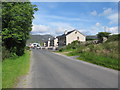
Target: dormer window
75,32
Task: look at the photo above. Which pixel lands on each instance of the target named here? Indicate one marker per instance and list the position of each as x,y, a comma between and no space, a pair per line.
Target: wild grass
0,74
13,68
103,54
99,60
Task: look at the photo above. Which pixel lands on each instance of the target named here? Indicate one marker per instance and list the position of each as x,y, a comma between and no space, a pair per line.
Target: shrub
61,49
113,38
73,45
100,35
5,53
27,48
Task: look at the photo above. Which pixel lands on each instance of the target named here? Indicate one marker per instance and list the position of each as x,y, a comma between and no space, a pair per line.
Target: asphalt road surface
50,70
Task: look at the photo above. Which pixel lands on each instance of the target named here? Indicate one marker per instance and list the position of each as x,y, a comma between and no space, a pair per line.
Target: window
77,38
75,32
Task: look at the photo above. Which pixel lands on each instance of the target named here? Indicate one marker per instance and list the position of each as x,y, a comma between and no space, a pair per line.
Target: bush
61,49
100,35
73,45
5,53
113,38
27,48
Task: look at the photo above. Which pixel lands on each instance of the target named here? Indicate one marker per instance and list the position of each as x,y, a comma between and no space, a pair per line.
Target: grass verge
97,59
0,74
13,68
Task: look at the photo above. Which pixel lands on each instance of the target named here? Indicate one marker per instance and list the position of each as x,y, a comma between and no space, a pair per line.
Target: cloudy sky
87,17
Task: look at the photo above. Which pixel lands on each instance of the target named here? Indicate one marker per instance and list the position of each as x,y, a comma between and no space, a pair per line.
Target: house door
77,38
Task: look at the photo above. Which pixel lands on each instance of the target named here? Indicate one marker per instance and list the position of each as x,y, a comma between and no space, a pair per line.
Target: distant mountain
43,38
39,38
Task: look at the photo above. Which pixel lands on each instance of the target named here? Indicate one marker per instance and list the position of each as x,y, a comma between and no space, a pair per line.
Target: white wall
56,42
48,43
73,36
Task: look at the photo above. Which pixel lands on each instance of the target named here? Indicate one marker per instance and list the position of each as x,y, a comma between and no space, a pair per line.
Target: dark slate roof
69,33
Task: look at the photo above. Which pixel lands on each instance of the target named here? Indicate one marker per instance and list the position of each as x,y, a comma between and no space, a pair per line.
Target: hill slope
39,38
104,54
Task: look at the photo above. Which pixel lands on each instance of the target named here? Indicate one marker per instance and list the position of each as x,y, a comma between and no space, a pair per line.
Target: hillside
39,38
104,54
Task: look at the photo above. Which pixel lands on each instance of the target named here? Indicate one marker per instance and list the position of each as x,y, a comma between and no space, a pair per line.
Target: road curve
49,70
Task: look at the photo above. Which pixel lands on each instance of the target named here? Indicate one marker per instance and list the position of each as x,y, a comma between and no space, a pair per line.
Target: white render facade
75,35
66,39
71,36
56,42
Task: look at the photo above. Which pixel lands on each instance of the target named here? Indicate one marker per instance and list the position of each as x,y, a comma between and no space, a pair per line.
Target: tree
16,25
100,35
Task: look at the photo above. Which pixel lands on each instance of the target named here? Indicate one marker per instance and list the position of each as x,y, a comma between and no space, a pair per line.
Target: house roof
64,35
69,33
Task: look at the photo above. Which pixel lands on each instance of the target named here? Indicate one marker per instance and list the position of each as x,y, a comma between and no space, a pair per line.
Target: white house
65,39
47,43
55,42
71,36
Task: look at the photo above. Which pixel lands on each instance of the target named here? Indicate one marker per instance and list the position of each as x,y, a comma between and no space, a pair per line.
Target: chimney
65,32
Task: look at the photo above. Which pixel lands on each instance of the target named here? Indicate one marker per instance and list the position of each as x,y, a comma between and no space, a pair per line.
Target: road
50,70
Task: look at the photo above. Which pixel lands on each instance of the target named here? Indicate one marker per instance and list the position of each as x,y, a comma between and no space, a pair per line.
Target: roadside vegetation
13,68
104,54
16,26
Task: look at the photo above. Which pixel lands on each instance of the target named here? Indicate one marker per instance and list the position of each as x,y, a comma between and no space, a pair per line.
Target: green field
13,68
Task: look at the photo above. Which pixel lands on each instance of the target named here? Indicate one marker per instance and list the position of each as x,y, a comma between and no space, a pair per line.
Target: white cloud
84,31
54,28
113,30
100,28
98,24
60,27
60,30
94,13
106,12
65,18
113,18
40,28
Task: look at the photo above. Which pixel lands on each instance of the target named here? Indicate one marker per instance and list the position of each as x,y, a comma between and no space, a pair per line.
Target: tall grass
104,54
99,60
13,68
0,74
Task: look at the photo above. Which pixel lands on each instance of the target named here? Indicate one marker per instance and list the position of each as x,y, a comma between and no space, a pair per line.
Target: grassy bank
103,54
0,75
13,68
97,59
